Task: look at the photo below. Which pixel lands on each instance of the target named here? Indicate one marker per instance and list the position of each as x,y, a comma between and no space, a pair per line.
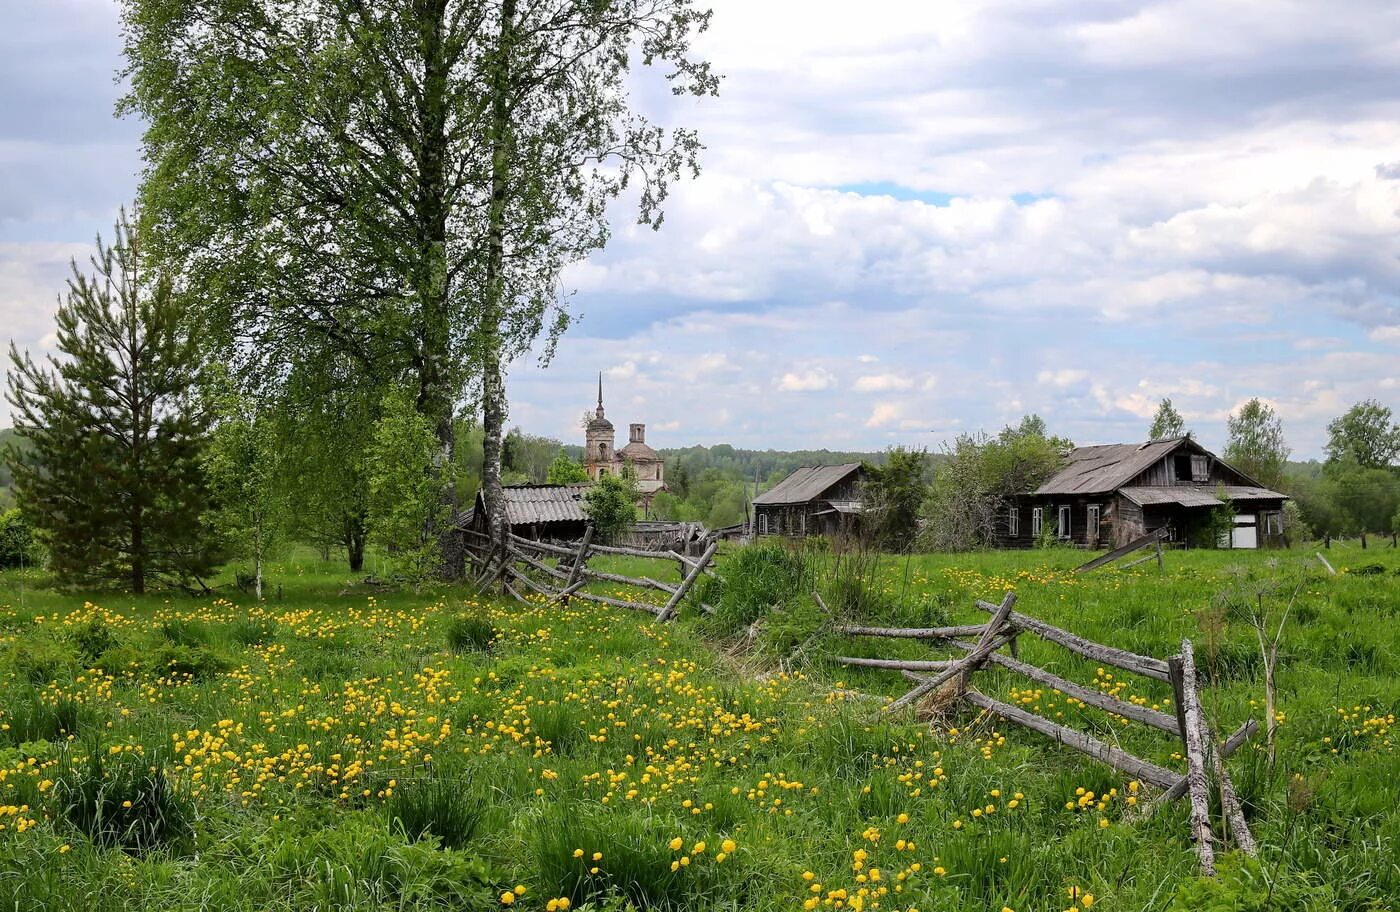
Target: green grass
340,748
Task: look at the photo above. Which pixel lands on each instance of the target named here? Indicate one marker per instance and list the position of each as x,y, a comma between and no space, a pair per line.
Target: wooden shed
536,512
813,500
1106,496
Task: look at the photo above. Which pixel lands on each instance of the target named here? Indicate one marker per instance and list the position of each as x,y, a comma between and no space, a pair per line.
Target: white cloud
1063,377
884,414
806,381
1385,334
883,383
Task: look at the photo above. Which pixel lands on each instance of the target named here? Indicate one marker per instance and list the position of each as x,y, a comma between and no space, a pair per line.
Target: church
602,457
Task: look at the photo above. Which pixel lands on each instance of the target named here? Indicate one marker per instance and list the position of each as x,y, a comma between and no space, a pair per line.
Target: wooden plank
1178,702
986,645
1237,739
616,603
1095,698
914,633
1142,541
543,546
1197,785
1326,564
1108,655
1104,753
1234,811
689,581
896,664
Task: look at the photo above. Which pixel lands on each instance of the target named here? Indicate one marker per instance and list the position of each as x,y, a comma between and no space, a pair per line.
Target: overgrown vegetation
340,752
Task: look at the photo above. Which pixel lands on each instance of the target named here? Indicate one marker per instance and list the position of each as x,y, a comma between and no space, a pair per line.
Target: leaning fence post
577,568
685,585
1196,782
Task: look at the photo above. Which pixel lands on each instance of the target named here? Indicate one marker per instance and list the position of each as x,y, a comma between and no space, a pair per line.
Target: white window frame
1064,522
1013,521
1037,520
763,524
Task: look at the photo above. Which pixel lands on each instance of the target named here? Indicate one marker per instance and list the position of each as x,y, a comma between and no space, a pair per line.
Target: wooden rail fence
981,646
525,563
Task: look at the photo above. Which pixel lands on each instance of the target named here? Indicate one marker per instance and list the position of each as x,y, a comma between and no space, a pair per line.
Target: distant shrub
184,633
470,633
559,724
121,660
1241,885
436,805
121,801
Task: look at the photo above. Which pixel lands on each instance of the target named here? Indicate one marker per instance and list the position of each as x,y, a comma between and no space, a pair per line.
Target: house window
1092,532
1200,468
1037,516
1062,528
1013,521
763,524
1273,523
1181,463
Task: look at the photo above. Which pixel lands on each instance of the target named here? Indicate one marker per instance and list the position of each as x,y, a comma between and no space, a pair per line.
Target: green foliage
757,580
243,466
40,661
1214,527
892,496
1242,884
18,546
94,638
564,470
33,716
1255,443
612,505
1366,435
436,805
470,633
112,476
189,663
531,458
405,508
122,801
1166,423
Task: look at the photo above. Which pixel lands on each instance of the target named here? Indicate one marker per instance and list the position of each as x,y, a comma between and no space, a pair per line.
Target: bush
184,633
120,801
121,660
1241,885
40,661
470,633
250,631
94,638
436,805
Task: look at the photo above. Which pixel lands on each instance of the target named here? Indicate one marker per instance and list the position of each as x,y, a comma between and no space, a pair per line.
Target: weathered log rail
981,645
520,565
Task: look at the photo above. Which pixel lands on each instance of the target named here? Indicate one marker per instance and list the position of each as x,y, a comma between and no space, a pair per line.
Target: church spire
600,394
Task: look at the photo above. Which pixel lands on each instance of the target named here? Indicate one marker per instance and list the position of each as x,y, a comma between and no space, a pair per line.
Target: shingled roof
806,484
529,504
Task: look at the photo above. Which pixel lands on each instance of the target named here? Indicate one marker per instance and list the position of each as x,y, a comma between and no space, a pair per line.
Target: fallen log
1197,785
896,664
1237,739
1108,655
685,585
985,647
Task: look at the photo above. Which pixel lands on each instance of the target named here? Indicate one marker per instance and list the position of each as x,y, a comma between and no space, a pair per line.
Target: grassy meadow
346,748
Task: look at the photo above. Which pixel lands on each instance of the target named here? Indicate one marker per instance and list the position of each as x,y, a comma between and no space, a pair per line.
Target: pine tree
112,478
1167,423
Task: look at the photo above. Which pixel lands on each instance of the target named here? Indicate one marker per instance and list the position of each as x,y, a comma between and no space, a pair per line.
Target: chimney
637,433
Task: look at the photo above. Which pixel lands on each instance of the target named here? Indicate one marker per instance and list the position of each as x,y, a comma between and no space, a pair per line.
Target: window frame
1064,522
1037,521
1093,521
1013,521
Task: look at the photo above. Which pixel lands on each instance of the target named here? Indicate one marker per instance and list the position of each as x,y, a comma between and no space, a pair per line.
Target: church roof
639,452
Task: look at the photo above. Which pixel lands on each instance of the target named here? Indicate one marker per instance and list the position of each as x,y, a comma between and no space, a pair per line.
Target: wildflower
578,853
507,898
676,844
728,846
1087,900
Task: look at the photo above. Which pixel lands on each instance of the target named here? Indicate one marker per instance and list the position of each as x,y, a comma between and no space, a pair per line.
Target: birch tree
401,182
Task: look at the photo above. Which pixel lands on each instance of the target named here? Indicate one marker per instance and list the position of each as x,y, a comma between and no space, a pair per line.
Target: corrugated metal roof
1186,495
1100,469
526,504
806,483
1196,496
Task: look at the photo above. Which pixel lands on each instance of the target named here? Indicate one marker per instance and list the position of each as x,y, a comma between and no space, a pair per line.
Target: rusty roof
806,484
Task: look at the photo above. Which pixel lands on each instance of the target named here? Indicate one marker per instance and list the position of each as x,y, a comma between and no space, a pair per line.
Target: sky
915,219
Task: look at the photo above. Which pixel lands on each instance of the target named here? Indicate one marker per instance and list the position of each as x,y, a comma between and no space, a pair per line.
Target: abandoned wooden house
1106,496
813,500
538,512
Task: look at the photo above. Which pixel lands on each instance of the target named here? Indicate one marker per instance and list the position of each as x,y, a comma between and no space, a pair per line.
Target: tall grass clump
757,580
596,856
30,717
436,805
470,633
122,801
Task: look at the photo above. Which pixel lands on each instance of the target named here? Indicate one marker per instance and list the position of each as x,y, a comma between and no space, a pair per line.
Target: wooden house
1106,496
813,500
